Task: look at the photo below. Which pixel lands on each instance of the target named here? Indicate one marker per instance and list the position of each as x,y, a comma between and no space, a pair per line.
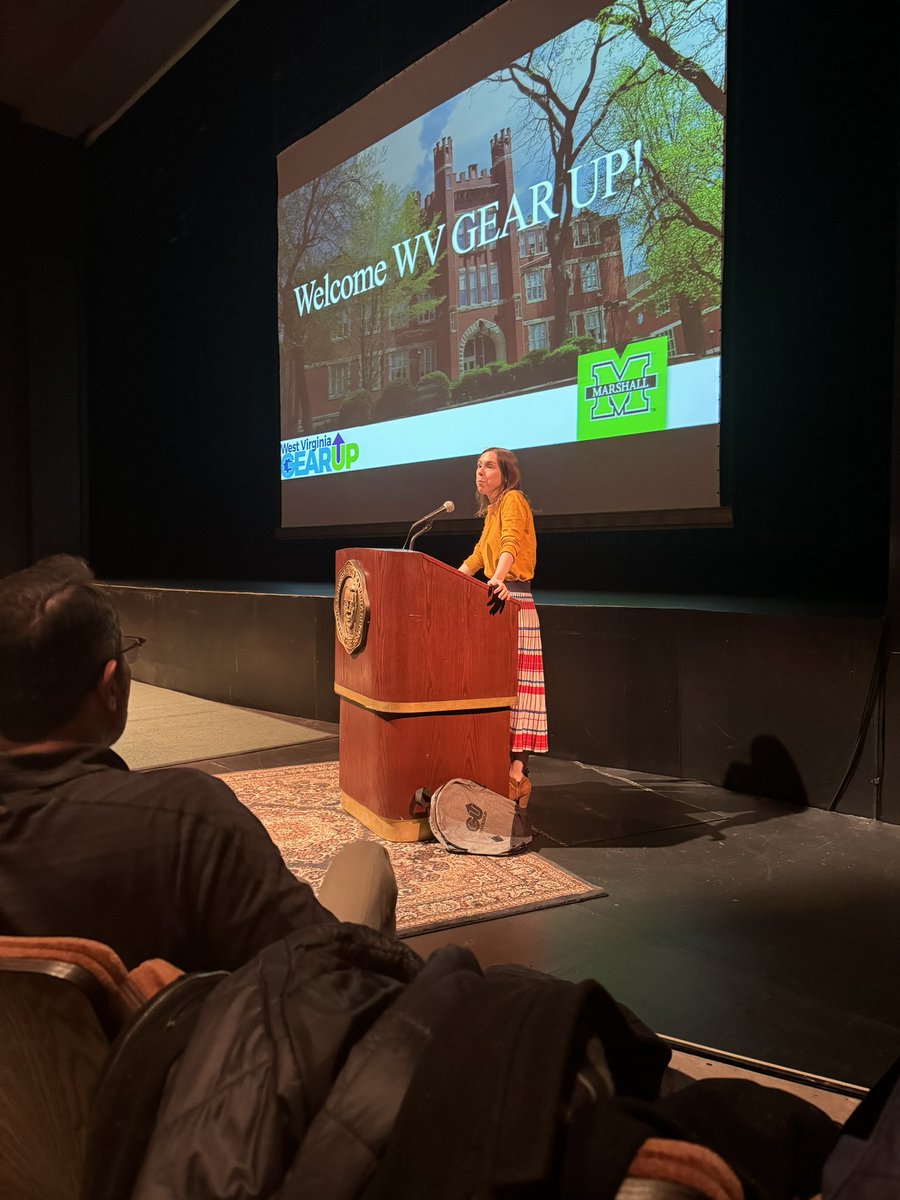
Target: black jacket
304,1061
270,1044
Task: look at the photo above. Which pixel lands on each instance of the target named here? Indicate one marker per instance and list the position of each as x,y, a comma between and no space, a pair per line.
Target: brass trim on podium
424,706
415,829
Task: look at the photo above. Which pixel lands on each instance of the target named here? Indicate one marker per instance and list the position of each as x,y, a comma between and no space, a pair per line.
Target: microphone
448,506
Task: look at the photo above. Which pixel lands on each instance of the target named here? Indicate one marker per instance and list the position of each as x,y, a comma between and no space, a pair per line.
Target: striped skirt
528,719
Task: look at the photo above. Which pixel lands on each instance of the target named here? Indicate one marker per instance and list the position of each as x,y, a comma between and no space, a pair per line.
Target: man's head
63,675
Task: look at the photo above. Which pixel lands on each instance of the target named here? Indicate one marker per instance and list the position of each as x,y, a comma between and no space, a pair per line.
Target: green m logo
625,392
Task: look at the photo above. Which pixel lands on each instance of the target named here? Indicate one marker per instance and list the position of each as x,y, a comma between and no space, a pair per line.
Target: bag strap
420,803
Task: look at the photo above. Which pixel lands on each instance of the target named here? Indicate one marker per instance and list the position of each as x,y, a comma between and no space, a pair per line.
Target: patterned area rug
300,807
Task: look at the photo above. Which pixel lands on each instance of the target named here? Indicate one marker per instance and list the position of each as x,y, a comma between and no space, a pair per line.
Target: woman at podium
506,552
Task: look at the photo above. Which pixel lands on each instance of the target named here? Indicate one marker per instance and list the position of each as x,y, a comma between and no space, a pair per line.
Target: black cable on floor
874,696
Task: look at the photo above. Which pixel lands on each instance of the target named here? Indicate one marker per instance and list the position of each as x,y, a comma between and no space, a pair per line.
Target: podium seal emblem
351,607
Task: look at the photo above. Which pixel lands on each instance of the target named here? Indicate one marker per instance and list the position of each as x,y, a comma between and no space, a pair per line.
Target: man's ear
107,688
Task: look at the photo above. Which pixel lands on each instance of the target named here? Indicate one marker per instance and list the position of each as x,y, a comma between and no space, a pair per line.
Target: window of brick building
426,360
534,286
463,301
537,335
532,242
594,324
424,318
398,365
338,380
495,283
586,231
590,277
341,327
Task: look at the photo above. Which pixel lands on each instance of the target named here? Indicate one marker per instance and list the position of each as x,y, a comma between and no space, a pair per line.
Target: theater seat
62,1001
667,1169
130,1088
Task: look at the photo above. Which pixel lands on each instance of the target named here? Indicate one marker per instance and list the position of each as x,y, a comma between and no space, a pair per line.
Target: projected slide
534,261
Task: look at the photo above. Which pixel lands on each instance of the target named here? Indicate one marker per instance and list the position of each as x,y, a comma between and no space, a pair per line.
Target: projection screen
516,242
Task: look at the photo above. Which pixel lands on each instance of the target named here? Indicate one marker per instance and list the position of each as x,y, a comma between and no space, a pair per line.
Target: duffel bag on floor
467,818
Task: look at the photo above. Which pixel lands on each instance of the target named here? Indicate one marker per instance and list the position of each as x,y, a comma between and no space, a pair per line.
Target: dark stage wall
708,695
42,344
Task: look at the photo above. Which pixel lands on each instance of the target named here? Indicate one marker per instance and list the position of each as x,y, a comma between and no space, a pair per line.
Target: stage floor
732,922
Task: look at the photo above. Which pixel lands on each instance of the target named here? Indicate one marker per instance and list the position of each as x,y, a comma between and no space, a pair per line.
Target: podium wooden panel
427,697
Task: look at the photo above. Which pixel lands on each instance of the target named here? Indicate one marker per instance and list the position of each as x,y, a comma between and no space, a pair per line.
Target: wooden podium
426,674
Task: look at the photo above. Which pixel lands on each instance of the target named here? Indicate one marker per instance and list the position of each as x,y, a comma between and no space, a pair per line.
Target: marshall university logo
623,391
351,607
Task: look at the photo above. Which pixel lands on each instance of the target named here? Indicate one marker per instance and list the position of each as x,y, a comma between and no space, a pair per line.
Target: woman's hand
498,588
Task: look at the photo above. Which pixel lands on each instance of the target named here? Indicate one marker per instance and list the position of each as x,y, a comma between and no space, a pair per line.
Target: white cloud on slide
403,155
476,116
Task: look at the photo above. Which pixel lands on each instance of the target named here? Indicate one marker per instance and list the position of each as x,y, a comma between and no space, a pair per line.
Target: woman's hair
509,473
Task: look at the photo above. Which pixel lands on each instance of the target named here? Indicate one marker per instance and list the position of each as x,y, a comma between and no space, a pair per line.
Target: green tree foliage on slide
387,218
345,220
313,222
651,70
669,93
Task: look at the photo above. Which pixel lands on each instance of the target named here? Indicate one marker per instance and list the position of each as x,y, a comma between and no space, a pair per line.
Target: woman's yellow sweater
508,528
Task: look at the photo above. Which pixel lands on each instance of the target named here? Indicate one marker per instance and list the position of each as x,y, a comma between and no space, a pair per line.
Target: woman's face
488,476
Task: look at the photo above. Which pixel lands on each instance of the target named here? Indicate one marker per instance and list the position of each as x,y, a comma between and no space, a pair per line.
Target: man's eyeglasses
131,644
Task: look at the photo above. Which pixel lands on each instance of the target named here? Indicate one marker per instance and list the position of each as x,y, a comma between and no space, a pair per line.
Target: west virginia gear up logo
625,392
318,455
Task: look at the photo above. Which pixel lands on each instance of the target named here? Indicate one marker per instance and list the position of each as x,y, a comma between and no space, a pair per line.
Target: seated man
166,863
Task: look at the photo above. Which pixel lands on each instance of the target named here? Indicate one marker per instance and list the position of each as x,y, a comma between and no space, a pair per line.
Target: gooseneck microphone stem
418,534
426,522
